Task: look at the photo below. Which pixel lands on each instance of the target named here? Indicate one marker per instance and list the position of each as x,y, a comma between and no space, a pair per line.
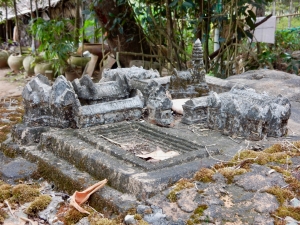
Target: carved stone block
49,105
92,93
110,112
130,73
159,107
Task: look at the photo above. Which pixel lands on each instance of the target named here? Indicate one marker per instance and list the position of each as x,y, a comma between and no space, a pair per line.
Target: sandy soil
11,84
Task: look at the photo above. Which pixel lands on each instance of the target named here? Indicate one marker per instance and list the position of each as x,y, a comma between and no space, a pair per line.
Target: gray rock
295,202
129,220
265,203
259,179
83,221
142,208
156,219
19,168
291,221
49,214
186,200
263,220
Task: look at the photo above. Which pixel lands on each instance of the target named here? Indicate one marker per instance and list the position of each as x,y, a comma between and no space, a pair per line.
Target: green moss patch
23,193
180,185
198,212
40,203
204,175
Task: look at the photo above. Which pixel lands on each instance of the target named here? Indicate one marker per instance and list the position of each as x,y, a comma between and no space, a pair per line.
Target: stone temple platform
76,158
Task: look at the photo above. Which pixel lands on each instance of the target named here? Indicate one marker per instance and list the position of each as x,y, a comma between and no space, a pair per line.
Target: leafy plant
278,56
55,40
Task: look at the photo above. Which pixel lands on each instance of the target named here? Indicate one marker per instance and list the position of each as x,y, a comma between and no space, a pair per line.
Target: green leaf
188,4
111,14
249,34
250,23
174,3
252,14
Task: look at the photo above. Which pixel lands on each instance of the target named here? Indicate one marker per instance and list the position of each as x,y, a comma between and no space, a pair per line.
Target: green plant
278,55
55,40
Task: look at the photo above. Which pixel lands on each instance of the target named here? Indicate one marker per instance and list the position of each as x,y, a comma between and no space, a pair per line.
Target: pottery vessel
76,60
27,65
3,59
40,68
15,62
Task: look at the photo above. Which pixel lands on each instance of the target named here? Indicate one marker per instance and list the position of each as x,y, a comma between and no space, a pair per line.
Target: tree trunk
123,33
6,23
49,9
17,26
77,24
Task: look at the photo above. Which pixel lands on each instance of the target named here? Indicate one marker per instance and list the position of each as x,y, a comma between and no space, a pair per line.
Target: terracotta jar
3,59
27,65
15,62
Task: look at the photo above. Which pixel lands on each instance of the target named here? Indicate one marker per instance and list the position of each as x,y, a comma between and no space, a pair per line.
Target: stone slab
91,150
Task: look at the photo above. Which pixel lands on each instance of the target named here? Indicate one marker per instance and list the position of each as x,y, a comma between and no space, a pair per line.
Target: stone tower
197,71
190,83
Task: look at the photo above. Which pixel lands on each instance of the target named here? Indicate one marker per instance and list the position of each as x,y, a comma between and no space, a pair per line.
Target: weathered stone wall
110,112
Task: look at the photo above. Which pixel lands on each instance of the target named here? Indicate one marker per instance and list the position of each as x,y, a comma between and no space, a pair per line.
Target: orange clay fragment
80,197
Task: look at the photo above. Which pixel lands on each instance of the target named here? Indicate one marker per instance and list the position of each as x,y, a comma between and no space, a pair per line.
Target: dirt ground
11,85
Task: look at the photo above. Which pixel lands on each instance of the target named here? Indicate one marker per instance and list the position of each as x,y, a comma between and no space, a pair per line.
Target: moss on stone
180,185
97,219
72,216
5,191
23,193
262,158
281,194
294,184
230,172
204,175
40,203
285,211
195,217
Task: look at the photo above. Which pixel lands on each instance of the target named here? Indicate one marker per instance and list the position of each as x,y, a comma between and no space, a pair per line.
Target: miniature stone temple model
83,103
242,112
190,83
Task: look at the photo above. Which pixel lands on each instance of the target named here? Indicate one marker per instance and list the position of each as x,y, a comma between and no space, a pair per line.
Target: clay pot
77,60
41,68
3,59
27,65
15,62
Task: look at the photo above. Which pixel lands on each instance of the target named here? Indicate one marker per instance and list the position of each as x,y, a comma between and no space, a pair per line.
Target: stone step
102,158
68,178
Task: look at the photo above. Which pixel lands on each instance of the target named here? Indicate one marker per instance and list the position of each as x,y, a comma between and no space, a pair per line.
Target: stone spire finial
198,71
